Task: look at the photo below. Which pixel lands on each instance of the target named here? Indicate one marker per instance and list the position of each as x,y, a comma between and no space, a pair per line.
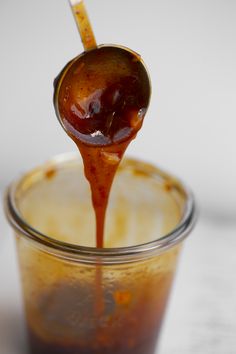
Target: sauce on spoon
101,98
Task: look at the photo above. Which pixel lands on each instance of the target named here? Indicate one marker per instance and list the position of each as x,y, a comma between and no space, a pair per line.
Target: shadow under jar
80,299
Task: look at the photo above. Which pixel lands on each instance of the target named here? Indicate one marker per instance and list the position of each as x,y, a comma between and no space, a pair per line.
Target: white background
190,50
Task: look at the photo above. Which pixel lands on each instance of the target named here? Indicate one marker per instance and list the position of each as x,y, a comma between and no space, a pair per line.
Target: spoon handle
83,24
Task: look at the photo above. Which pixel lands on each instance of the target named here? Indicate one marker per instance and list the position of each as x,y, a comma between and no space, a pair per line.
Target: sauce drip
102,102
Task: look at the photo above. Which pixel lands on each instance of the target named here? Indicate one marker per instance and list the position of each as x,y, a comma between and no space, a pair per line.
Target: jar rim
87,254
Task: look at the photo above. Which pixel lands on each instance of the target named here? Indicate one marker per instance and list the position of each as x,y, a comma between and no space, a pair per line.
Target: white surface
190,49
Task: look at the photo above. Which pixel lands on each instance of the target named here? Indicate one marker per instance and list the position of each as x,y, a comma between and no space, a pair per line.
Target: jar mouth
87,254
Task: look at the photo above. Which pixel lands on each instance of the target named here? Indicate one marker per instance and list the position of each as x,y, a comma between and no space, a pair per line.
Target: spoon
102,95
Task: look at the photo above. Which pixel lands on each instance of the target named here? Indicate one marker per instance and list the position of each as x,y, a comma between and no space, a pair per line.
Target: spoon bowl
102,95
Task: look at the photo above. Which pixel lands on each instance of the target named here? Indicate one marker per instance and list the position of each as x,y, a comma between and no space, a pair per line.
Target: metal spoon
102,95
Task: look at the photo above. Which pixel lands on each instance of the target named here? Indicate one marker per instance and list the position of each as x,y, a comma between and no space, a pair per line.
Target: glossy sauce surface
102,100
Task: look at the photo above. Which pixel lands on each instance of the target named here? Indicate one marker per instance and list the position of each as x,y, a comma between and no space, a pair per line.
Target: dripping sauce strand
100,166
101,160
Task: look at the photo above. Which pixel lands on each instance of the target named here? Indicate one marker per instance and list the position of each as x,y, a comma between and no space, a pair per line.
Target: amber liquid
102,106
146,346
70,326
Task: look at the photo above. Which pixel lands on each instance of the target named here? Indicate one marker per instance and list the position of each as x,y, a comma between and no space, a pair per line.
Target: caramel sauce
127,325
50,173
102,102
